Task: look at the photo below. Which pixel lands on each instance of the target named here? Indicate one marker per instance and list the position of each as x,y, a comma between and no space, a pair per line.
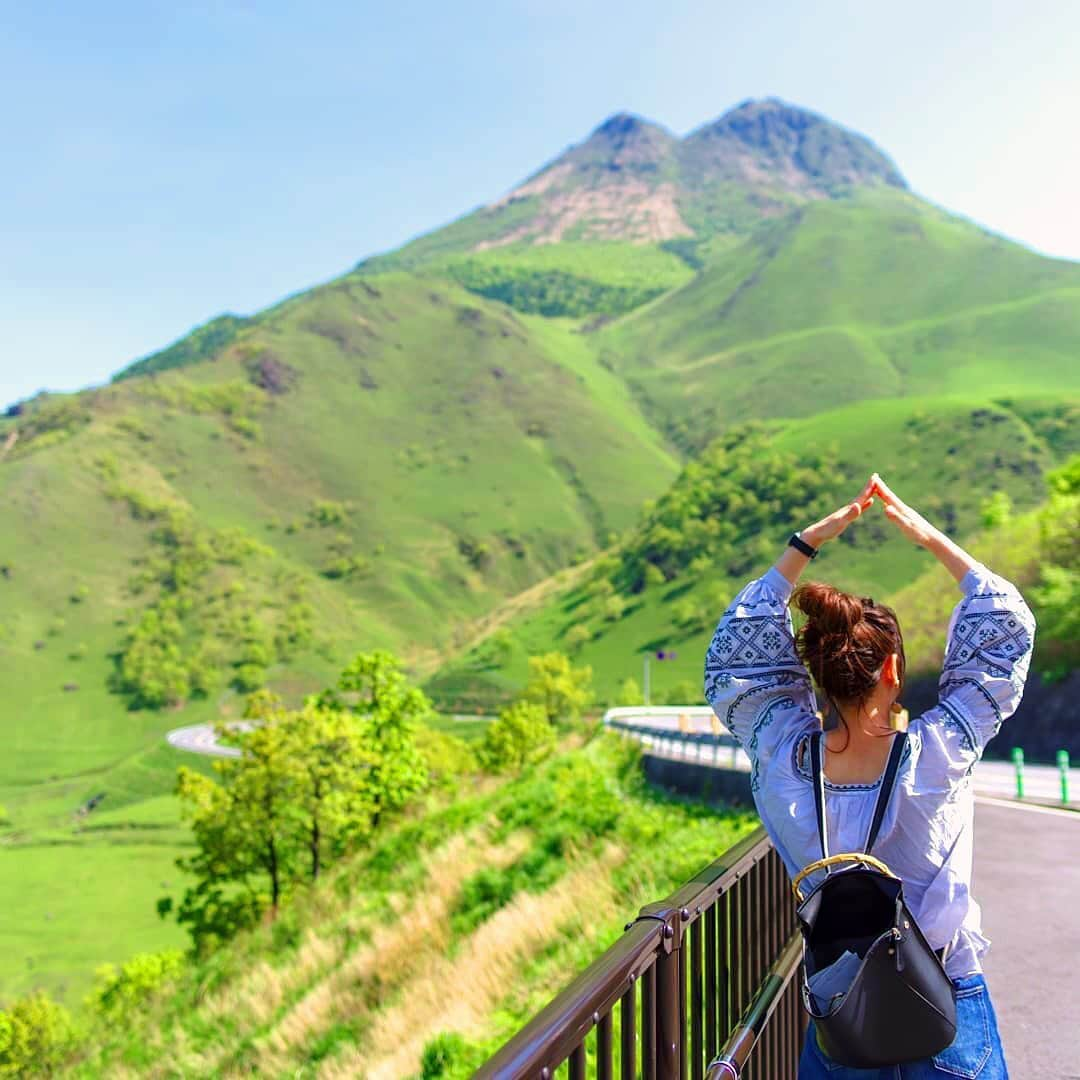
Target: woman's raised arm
919,531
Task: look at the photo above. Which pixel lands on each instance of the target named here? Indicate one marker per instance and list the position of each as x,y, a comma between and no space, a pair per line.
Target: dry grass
459,993
398,950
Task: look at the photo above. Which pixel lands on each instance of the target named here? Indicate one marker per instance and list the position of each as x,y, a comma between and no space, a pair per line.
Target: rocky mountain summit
634,180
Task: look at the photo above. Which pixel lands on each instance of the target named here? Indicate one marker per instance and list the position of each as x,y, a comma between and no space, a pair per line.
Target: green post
1063,765
1018,761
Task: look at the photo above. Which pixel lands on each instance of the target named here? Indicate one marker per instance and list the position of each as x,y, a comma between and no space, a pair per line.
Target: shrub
441,1054
630,693
119,991
521,734
36,1035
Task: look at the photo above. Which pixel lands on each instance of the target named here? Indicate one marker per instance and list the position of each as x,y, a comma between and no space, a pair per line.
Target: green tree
577,636
630,693
120,991
683,693
996,510
389,709
249,831
36,1034
332,765
521,734
561,688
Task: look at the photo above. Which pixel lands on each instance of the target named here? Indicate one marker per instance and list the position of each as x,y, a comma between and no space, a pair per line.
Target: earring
898,717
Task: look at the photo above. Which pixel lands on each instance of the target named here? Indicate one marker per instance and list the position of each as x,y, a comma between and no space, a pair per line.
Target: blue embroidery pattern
992,640
952,718
752,641
762,722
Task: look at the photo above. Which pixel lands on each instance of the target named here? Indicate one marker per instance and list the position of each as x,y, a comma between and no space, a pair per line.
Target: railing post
668,1020
668,1000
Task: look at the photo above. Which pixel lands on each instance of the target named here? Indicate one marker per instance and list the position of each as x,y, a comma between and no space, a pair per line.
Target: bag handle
888,782
834,860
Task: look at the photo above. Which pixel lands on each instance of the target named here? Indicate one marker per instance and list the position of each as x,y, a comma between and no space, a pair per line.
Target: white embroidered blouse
762,693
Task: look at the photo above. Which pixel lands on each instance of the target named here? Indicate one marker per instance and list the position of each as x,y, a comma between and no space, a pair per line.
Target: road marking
1012,804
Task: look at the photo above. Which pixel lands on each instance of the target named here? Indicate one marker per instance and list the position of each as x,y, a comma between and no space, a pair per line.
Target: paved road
1027,880
202,739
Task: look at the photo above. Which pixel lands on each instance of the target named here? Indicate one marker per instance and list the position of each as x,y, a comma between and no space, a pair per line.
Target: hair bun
830,610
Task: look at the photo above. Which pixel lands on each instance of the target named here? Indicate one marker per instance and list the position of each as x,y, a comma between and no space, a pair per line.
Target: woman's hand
828,528
912,524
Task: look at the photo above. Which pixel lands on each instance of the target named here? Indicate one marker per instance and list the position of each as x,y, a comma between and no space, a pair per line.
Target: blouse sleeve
754,679
989,642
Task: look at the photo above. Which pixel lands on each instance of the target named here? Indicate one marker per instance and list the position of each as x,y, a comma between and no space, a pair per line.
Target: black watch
799,544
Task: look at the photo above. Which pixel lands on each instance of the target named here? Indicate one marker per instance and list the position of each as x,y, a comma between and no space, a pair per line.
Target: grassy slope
881,297
944,454
507,890
394,411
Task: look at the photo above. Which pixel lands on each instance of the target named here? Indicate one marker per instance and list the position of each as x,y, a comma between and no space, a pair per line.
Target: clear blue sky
165,162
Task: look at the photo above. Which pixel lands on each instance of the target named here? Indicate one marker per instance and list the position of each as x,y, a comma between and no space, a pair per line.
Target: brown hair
845,641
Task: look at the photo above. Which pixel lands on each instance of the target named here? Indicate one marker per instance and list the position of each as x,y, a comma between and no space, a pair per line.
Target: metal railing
700,985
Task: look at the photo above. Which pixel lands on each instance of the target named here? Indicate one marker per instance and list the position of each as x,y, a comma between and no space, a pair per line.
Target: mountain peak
798,147
631,179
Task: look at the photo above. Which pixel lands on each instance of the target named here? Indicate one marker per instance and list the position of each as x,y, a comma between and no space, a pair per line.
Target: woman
757,684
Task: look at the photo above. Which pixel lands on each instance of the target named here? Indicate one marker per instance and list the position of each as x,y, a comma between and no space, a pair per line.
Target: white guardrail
694,733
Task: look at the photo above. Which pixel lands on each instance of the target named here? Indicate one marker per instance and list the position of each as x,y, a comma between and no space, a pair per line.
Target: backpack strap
888,782
819,790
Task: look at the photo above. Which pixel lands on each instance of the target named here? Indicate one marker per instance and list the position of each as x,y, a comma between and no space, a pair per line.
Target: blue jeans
975,1052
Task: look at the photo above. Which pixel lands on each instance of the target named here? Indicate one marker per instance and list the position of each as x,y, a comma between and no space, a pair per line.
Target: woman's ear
890,670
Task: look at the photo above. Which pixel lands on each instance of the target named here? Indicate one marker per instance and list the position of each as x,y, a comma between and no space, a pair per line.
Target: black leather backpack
900,1004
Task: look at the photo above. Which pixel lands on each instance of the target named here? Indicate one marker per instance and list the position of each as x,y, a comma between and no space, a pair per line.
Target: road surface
202,739
1027,880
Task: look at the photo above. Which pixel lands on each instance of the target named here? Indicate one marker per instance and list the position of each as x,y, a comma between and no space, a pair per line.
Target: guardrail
699,986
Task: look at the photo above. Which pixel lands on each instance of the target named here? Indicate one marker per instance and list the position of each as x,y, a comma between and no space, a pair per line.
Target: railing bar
753,931
791,1028
761,918
627,1035
577,1062
710,980
683,972
745,947
723,966
773,1049
604,1069
781,1035
697,1050
773,918
648,1024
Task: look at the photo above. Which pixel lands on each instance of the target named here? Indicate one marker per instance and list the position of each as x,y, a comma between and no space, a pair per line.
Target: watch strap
799,544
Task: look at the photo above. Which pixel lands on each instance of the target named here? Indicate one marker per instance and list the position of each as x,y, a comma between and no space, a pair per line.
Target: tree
630,693
332,765
577,636
390,709
562,689
36,1035
521,734
120,991
996,510
308,784
248,824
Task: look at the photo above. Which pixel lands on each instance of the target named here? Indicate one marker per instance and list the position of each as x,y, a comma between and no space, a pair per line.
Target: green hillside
879,296
728,514
374,463
473,449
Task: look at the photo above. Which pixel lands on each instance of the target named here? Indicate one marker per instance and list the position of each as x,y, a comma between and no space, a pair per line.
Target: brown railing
700,985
